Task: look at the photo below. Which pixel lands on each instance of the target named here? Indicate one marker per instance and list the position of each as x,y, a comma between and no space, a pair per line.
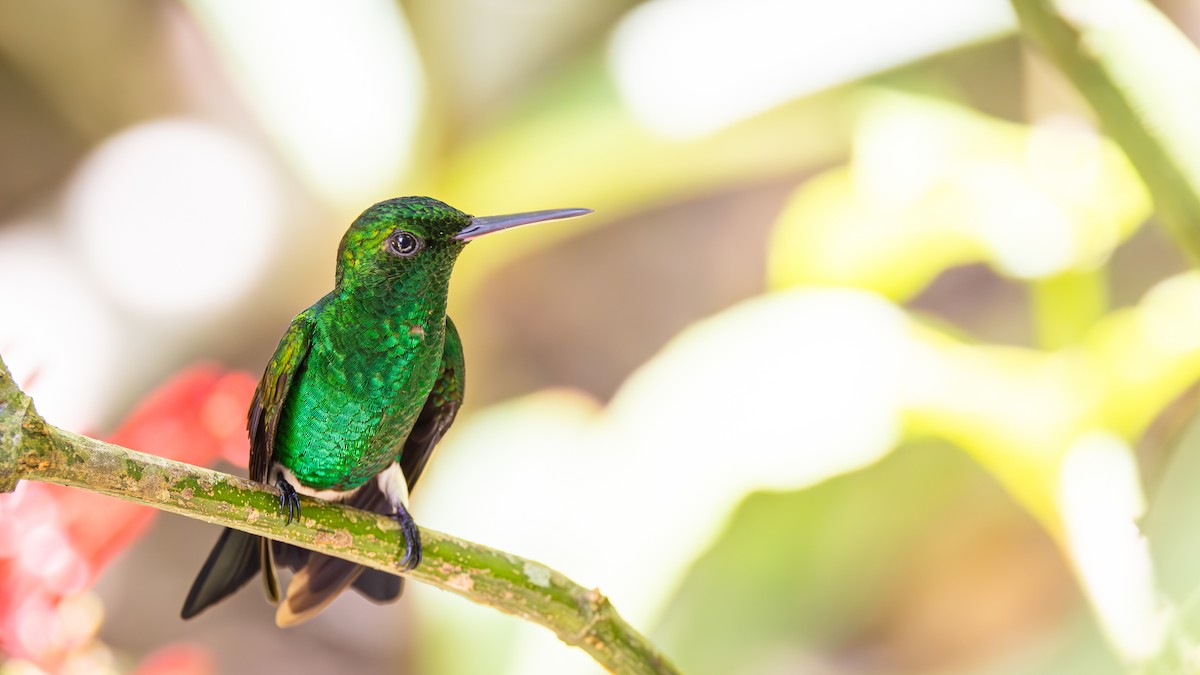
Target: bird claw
412,537
289,500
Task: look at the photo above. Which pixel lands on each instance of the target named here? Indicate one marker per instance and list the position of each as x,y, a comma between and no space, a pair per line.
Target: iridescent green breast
369,370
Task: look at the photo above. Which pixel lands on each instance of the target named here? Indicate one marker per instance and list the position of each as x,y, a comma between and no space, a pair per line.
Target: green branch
31,449
1141,75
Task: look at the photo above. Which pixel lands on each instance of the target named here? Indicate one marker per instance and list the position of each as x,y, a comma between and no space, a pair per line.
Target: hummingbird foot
289,500
412,537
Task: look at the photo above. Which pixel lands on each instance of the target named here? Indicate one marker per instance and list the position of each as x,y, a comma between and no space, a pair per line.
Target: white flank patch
326,495
394,485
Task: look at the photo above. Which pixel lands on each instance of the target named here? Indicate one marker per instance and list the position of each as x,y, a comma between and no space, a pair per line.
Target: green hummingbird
359,391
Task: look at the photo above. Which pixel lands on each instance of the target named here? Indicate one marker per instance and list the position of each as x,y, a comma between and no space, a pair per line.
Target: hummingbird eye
404,244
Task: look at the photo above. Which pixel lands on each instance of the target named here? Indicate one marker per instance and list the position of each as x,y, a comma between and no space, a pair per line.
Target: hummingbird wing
269,397
263,420
233,561
435,418
238,556
440,409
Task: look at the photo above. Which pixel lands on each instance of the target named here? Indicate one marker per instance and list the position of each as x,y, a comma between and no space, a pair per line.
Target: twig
32,449
1141,75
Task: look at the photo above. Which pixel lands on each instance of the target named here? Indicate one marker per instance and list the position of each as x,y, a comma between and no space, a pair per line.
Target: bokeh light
174,216
687,68
1101,501
340,89
48,302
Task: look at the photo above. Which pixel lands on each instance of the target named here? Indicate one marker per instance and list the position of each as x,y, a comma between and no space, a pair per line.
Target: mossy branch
32,449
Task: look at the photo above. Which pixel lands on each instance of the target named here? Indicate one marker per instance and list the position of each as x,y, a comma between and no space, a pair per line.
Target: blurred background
873,358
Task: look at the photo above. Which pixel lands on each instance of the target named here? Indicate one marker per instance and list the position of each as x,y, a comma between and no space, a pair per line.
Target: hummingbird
363,385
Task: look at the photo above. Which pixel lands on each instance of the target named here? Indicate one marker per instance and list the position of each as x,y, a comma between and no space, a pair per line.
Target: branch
32,449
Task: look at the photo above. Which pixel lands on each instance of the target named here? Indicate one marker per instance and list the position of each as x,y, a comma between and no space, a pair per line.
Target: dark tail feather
320,578
379,587
234,560
374,585
313,587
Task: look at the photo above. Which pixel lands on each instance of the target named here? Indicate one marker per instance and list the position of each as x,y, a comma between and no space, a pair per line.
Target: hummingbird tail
235,559
320,578
379,587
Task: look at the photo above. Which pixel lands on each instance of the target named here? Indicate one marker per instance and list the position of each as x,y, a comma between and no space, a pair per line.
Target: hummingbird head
400,237
418,238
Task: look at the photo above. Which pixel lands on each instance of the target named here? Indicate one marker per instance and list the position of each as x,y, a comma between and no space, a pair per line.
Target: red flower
196,417
55,540
178,659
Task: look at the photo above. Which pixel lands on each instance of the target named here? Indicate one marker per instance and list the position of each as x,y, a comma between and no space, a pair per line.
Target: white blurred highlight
739,402
1101,499
1164,305
800,359
1026,232
174,216
689,67
1065,156
900,151
339,87
57,335
1027,197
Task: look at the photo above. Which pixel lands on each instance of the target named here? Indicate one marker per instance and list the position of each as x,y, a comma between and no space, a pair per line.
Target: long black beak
487,224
